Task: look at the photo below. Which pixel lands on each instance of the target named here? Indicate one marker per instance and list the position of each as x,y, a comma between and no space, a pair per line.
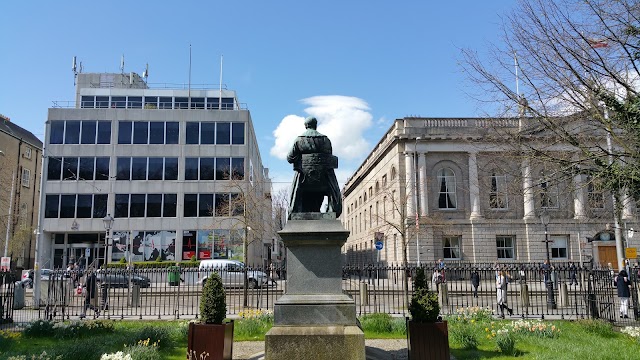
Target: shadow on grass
460,354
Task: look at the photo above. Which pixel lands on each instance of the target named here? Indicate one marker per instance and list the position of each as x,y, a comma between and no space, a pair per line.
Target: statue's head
310,122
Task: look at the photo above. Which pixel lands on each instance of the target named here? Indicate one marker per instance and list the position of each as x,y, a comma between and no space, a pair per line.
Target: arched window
377,187
548,192
365,197
498,191
447,189
393,173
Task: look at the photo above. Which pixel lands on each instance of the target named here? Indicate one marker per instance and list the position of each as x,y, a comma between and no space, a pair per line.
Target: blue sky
356,65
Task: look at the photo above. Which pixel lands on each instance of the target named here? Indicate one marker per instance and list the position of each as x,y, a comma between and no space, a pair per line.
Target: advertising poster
188,244
205,244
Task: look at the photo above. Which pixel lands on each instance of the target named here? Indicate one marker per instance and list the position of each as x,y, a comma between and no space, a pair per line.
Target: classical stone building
456,189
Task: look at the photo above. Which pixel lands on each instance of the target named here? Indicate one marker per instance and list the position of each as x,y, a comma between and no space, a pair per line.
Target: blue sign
379,245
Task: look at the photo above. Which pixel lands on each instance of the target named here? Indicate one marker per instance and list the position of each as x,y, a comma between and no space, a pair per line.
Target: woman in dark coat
623,283
475,282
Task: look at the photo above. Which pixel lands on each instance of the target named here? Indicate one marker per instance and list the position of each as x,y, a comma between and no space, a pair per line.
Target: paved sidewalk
376,349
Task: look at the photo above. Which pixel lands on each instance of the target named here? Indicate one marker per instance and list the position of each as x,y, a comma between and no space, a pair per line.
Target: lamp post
551,302
108,223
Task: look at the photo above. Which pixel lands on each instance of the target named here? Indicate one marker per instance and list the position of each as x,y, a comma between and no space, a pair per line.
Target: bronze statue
314,177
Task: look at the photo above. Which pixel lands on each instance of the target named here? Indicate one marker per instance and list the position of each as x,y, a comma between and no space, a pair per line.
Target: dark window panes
190,205
102,102
99,206
102,168
72,132
237,133
237,167
54,168
84,206
87,102
140,132
181,103
51,206
223,168
193,133
170,205
88,132
150,102
134,102
212,103
173,132
137,205
154,205
57,132
207,133
227,103
122,206
124,132
236,205
139,168
123,168
222,204
156,132
197,103
191,169
67,206
104,132
223,133
207,167
205,206
118,102
171,168
86,168
70,168
165,102
155,168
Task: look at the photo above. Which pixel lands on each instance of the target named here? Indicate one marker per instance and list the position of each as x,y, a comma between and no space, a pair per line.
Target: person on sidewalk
90,294
572,273
475,282
501,291
623,284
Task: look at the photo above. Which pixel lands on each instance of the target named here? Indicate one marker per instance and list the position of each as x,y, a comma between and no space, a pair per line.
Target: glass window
173,132
140,132
212,103
207,133
123,168
207,166
595,194
51,206
237,165
548,193
122,206
154,205
170,205
171,168
150,102
559,246
193,133
134,102
156,132
446,189
237,133
88,132
118,102
72,132
223,166
191,169
181,103
190,205
451,247
227,103
124,132
70,168
87,102
104,132
165,102
498,192
237,205
84,206
137,205
86,168
67,206
197,103
139,168
57,132
155,168
99,206
222,205
102,102
223,133
205,206
505,246
54,168
102,168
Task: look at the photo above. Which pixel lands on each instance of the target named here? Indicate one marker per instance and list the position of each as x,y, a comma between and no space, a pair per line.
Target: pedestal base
315,342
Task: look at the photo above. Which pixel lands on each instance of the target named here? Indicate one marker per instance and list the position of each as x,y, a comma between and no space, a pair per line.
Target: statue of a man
314,177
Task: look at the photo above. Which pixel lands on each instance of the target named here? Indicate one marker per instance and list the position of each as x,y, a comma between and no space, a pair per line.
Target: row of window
145,205
205,168
156,102
75,206
209,133
218,204
142,168
78,168
148,132
80,132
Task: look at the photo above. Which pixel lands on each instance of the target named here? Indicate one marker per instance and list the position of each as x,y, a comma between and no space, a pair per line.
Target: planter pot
428,340
214,340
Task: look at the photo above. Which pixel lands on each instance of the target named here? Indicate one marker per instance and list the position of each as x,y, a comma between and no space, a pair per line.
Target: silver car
232,273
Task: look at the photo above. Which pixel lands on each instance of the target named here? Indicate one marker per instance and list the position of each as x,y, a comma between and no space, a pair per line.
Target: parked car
232,273
117,279
45,275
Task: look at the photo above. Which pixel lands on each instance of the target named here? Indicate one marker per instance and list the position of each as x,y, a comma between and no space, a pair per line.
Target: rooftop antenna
220,99
189,91
122,64
76,70
145,73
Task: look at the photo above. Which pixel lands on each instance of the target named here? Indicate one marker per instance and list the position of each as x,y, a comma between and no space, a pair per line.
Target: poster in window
205,244
221,242
169,245
188,244
119,248
138,254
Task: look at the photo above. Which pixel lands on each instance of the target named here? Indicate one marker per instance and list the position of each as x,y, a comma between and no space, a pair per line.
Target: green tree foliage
213,303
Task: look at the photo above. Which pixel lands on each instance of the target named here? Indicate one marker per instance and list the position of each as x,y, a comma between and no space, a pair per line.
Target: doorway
606,255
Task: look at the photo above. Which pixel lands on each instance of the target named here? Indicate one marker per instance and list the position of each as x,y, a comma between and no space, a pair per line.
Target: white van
231,272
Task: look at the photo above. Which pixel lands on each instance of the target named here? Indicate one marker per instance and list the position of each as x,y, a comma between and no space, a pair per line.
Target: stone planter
428,340
212,339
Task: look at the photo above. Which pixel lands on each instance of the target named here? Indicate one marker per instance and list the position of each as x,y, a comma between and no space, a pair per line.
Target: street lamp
108,223
545,219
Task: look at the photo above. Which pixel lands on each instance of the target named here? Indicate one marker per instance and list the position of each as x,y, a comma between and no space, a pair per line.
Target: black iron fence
560,292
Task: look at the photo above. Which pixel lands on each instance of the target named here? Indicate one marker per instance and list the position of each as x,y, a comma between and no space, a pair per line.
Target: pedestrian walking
572,274
90,294
475,282
501,291
623,284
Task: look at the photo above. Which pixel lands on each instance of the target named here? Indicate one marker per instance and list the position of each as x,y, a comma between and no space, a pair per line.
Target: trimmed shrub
213,303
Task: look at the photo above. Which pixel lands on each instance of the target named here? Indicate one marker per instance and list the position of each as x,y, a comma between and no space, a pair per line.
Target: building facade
20,164
454,189
178,170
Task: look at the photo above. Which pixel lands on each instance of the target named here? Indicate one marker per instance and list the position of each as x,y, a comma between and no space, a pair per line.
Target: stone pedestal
314,319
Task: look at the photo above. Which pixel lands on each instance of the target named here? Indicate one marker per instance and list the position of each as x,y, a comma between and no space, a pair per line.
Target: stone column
474,187
424,199
410,179
578,201
527,184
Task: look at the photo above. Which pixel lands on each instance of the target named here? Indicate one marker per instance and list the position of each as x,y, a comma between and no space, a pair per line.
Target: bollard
135,296
564,295
364,293
524,295
443,295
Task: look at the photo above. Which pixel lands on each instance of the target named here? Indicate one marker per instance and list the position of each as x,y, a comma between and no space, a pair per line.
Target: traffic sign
379,245
631,253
